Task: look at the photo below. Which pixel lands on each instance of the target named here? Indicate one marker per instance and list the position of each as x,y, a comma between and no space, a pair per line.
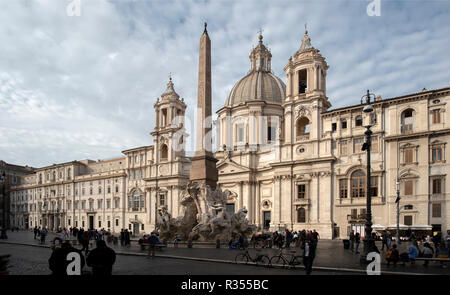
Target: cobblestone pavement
330,253
26,260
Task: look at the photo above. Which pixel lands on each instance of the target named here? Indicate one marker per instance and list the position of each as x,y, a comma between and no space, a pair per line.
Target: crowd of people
283,239
419,247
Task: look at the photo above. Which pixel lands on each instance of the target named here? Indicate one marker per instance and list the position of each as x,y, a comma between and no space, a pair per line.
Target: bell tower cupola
306,72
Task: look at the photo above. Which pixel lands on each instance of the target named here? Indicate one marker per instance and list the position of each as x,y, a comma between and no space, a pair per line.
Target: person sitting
392,255
413,252
427,252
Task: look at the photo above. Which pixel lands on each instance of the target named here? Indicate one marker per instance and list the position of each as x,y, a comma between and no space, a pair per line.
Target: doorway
91,222
136,229
266,220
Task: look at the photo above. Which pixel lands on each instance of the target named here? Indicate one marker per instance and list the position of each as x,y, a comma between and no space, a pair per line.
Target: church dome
259,84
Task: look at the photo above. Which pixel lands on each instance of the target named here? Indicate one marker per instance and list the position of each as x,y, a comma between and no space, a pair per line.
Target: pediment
227,166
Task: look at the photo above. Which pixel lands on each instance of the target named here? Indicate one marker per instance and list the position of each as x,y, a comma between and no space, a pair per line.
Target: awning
378,227
394,226
421,227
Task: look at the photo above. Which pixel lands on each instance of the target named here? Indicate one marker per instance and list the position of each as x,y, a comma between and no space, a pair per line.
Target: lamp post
369,243
397,237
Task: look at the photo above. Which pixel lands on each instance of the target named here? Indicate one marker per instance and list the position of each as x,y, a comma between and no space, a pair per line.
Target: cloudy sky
77,87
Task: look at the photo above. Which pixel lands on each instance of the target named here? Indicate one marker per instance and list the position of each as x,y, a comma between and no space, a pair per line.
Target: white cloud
84,87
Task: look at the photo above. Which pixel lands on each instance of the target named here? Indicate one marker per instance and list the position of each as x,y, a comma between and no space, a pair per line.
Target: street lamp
369,243
397,237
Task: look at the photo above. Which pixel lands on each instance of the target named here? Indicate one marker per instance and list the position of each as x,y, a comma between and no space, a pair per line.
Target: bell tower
306,96
306,73
169,136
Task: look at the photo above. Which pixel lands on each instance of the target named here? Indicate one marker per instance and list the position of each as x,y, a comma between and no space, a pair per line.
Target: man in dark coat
101,259
308,254
58,260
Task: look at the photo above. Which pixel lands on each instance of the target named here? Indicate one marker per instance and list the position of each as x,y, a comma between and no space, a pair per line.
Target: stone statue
204,216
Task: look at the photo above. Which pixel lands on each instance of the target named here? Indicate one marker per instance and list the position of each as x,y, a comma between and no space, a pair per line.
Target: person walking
357,241
384,241
352,240
101,259
127,238
152,240
43,234
35,231
122,237
58,260
308,255
85,241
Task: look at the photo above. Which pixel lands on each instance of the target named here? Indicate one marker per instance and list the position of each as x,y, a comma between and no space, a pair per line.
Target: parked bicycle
291,260
259,260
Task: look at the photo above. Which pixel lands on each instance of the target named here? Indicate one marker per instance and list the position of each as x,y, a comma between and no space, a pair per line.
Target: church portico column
257,215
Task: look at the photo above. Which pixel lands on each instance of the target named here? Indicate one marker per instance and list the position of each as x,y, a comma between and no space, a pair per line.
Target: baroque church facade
289,158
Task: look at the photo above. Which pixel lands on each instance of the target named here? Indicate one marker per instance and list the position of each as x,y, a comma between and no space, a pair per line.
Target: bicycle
282,259
245,257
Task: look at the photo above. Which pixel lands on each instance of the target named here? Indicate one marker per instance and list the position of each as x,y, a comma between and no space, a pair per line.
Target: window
408,187
408,154
344,124
91,205
436,116
358,183
75,205
302,81
437,186
271,133
83,205
358,120
436,153
164,153
108,204
407,123
436,210
354,213
91,191
162,199
373,119
99,204
109,189
240,132
374,144
333,127
301,215
117,222
117,188
99,189
136,159
136,199
302,128
358,143
116,203
374,186
408,207
142,226
343,188
301,191
407,220
344,147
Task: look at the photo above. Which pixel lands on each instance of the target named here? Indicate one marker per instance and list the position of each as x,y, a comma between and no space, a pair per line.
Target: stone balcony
302,137
302,202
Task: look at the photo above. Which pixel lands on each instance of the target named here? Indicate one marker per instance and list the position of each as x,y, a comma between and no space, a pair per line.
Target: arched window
358,183
302,128
164,153
301,215
408,120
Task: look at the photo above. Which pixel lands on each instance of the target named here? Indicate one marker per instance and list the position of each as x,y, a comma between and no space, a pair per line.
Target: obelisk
203,169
